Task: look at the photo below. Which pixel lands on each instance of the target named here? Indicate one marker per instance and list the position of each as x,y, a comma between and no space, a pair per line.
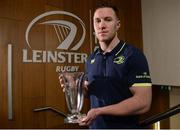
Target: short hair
108,5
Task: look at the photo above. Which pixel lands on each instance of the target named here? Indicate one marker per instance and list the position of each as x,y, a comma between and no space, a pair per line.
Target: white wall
161,39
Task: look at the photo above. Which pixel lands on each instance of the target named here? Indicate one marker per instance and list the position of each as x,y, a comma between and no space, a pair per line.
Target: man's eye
97,21
108,19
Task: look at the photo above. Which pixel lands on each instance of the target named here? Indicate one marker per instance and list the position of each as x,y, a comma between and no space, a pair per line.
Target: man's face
106,24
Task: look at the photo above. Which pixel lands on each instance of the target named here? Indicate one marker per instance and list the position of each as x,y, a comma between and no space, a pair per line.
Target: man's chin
104,40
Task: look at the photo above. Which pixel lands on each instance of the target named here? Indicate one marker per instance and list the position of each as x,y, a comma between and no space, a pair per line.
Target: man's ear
118,24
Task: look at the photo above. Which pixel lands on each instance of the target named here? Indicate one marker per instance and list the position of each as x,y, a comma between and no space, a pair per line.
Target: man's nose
102,25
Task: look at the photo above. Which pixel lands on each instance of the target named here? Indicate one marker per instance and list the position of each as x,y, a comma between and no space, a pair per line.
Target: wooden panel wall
160,104
36,84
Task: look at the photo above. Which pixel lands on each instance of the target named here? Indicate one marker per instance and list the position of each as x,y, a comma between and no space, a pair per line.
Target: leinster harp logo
119,60
65,30
69,31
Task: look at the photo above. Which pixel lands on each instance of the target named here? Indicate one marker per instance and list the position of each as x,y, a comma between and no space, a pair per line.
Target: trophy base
73,118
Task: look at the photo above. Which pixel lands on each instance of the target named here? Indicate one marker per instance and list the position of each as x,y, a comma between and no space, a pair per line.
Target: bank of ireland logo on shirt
65,30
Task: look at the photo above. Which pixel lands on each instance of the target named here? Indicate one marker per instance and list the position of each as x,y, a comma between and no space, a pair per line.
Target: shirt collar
115,50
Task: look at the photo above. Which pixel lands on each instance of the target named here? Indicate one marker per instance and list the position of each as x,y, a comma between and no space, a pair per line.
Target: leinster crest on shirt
119,59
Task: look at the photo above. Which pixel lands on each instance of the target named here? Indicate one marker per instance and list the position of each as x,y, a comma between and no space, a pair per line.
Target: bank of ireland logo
65,30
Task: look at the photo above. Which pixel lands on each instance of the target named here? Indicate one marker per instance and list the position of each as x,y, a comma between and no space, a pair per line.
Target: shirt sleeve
138,74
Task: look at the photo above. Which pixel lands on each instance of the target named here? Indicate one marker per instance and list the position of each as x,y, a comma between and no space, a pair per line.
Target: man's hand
62,82
91,116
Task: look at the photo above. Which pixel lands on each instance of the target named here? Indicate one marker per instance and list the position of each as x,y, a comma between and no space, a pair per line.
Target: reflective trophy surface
74,95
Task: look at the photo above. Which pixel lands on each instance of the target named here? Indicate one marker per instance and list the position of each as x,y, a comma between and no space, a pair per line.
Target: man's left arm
139,103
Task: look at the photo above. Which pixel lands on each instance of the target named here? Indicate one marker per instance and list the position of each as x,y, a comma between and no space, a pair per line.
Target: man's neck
109,46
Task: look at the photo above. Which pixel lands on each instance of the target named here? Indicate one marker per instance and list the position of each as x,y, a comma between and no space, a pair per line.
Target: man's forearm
132,106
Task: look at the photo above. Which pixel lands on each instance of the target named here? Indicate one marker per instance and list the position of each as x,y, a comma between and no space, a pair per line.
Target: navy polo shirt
110,75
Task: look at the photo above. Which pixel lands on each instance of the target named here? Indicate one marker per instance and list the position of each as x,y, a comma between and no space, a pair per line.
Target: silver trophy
74,94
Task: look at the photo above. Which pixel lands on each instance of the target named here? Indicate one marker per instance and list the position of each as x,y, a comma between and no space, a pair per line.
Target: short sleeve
138,70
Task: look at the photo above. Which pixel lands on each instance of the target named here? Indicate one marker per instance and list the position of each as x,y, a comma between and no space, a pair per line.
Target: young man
118,77
119,84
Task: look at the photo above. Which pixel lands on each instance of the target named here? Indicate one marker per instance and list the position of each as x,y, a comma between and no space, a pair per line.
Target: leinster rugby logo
65,30
66,38
119,60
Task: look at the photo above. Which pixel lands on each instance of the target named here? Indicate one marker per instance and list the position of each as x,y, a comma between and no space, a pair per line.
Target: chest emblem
92,61
119,60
